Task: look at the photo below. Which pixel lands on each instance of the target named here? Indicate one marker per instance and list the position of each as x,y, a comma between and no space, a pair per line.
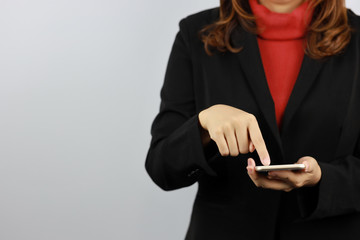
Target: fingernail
250,170
266,161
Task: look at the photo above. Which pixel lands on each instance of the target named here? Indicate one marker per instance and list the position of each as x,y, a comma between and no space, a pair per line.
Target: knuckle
234,151
251,118
226,127
234,154
212,136
217,132
298,184
259,184
216,136
240,120
235,118
244,150
224,152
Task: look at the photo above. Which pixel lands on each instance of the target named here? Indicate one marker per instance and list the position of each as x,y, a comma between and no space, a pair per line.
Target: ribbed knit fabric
282,50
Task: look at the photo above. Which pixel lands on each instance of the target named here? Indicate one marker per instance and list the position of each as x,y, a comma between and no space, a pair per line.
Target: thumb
308,162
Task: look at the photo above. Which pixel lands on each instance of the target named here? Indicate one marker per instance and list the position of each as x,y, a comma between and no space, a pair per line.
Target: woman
259,82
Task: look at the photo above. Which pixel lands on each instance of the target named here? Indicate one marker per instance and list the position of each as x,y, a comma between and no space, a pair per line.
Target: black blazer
322,120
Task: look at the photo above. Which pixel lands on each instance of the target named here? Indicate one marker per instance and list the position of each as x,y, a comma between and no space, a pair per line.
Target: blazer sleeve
338,191
176,157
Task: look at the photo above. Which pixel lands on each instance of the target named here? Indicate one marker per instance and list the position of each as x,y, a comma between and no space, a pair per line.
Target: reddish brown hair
328,32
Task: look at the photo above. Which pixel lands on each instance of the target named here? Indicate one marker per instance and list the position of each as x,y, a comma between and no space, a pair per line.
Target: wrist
202,119
205,137
316,177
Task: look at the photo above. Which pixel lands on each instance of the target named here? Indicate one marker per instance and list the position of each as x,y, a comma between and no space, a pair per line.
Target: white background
79,88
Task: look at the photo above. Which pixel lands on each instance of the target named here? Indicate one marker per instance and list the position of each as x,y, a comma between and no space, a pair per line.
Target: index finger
259,143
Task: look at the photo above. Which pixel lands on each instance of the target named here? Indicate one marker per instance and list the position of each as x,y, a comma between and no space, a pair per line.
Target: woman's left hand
287,180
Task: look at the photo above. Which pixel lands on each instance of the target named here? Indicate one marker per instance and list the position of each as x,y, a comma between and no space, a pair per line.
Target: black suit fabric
322,120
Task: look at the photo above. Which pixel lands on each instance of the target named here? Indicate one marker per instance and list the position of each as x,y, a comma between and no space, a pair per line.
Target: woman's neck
281,6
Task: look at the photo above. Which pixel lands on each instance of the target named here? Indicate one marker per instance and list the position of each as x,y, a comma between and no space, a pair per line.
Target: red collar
281,26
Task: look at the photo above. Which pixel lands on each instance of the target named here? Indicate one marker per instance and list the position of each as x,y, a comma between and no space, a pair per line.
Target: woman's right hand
234,131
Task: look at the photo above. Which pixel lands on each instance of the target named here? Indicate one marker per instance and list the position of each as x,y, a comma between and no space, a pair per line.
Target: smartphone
279,167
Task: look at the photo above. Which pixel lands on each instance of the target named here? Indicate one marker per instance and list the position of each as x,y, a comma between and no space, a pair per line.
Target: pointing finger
259,143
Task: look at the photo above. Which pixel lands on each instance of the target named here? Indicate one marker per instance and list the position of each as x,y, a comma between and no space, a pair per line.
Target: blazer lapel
251,64
309,70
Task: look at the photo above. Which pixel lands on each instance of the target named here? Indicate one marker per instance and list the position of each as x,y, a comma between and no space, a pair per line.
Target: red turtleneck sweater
281,47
